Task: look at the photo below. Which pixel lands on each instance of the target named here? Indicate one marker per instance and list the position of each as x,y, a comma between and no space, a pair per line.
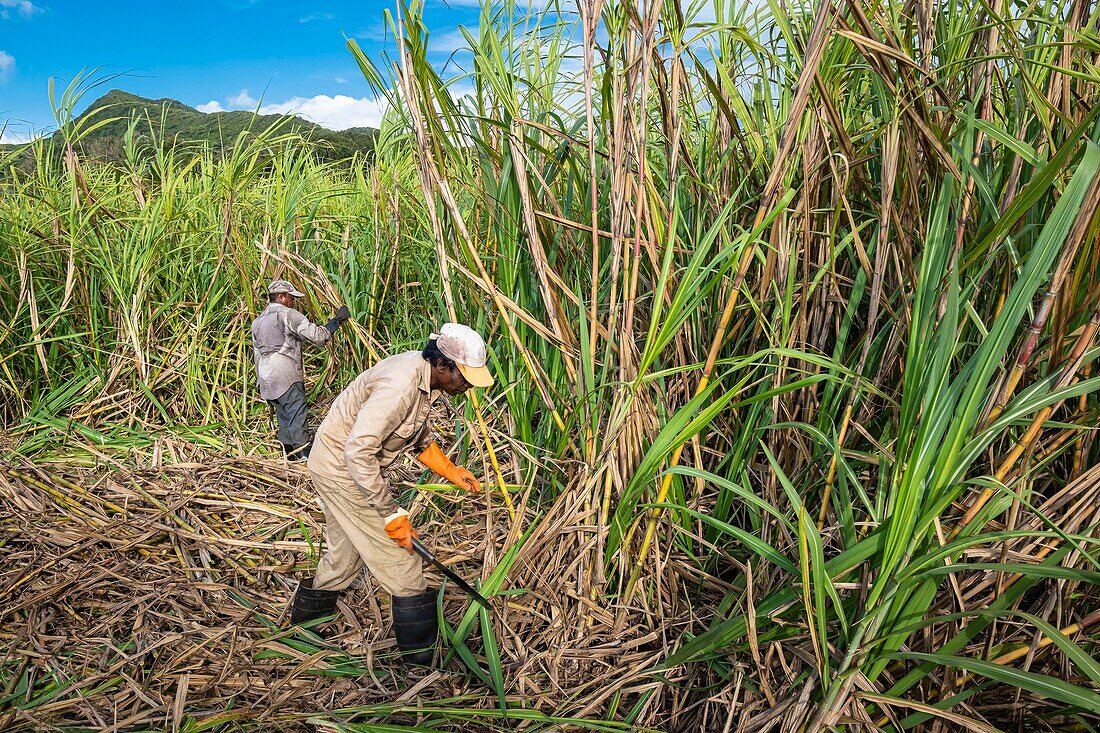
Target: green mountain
176,123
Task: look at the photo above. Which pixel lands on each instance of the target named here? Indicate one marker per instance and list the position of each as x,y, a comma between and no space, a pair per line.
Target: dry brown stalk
815,49
435,181
74,586
1065,263
1027,440
553,305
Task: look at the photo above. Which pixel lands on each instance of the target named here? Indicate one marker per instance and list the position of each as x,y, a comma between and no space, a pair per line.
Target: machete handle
430,558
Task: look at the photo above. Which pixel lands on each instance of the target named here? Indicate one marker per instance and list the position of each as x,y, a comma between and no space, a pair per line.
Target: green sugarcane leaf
1039,684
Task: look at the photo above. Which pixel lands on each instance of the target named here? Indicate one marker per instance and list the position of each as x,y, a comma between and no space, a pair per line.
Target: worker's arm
379,416
304,329
425,438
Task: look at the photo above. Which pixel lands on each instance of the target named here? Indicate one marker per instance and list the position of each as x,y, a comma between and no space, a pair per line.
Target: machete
425,553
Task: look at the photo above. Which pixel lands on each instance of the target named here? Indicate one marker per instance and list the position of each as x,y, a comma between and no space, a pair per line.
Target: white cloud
449,42
315,16
378,33
338,112
25,8
340,80
7,65
9,136
335,113
242,99
534,5
459,92
701,13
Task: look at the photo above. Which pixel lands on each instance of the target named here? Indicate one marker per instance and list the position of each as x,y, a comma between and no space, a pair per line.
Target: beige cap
284,286
465,347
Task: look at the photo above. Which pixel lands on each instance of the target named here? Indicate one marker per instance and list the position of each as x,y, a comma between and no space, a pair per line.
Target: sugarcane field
662,366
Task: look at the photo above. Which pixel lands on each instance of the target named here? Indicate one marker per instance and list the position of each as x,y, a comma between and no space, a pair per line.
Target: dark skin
286,299
449,379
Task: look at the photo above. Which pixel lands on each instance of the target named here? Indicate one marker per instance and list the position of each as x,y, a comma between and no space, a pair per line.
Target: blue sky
210,54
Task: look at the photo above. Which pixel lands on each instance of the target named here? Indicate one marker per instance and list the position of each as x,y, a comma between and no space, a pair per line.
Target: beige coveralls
379,415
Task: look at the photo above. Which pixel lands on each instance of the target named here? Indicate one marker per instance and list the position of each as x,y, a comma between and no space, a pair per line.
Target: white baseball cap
465,347
284,286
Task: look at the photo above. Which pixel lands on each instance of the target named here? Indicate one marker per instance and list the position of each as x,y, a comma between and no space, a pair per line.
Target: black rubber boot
416,627
310,604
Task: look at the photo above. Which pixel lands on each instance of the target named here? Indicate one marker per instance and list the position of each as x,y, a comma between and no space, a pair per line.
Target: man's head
458,356
281,291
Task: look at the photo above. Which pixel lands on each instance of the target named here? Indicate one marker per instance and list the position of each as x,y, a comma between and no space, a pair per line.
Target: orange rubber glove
434,459
400,529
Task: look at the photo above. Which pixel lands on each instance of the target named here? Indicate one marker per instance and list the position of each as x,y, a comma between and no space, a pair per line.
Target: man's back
398,390
277,336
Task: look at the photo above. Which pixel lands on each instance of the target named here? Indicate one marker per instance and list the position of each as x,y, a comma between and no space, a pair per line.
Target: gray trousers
290,411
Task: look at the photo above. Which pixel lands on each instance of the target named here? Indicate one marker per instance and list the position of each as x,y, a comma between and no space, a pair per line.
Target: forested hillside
118,116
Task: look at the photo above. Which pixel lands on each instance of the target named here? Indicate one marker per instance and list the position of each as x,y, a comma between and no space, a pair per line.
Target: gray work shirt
277,336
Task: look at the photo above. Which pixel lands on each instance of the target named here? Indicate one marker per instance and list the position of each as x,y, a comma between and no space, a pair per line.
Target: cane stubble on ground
148,593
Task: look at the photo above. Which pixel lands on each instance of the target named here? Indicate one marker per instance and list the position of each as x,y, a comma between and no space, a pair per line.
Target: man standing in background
277,336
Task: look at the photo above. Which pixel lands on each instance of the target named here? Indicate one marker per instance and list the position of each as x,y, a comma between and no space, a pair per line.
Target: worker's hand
434,459
342,314
400,529
462,478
